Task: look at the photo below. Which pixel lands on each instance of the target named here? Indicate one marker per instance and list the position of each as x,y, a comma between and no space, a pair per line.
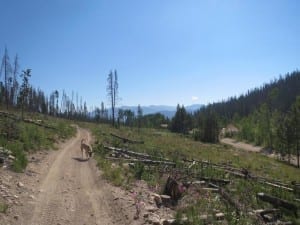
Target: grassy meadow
175,147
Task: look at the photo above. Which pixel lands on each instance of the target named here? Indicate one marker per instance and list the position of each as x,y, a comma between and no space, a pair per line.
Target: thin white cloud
194,98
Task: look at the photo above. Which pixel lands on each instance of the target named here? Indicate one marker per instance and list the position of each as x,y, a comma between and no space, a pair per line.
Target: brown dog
86,148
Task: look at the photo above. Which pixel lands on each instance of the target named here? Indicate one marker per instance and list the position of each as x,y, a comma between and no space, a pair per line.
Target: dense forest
268,116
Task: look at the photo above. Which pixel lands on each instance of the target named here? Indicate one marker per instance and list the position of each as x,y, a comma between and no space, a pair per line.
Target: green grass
3,207
162,143
21,137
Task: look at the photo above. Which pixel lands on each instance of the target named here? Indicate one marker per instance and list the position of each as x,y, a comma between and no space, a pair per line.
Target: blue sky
165,51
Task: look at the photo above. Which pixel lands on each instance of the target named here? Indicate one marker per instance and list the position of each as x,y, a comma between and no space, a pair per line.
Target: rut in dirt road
71,192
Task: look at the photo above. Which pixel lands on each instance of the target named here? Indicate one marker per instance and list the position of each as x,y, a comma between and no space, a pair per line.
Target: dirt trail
67,190
259,149
241,145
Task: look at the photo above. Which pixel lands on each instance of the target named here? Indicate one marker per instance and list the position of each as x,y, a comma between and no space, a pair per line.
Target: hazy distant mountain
168,111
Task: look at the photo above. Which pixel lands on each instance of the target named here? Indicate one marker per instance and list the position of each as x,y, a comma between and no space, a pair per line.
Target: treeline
16,92
279,95
268,116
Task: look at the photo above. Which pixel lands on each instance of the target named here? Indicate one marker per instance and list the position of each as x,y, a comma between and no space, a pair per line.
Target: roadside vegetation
39,132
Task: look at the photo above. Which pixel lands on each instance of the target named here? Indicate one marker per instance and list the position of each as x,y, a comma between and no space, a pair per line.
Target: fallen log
277,202
213,185
215,180
214,190
145,161
154,162
134,154
38,124
126,140
268,215
9,115
279,186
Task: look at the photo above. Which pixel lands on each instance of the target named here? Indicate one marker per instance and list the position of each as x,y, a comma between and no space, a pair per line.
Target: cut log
126,140
277,202
166,200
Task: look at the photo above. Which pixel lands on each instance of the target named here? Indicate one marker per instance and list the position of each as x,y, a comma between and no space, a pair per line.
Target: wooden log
213,185
266,211
38,124
214,190
279,186
126,140
145,161
215,180
277,202
135,154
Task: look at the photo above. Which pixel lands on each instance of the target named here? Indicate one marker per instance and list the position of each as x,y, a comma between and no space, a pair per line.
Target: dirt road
65,190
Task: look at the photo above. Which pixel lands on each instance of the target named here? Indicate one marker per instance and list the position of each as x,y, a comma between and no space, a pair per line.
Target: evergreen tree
139,116
295,120
24,88
181,122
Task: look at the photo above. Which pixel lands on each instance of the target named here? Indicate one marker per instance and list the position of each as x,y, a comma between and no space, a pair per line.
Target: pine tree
24,88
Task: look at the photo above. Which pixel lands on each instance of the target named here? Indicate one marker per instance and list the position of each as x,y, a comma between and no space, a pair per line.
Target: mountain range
167,111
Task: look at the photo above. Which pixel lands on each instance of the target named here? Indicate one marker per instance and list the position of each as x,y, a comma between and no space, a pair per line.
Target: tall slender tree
296,124
112,92
24,88
15,84
6,67
139,116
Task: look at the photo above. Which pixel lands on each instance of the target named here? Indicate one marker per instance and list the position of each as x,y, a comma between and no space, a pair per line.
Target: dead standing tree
112,92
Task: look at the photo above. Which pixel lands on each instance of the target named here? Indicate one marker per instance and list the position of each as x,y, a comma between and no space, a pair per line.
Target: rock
157,200
151,209
220,216
11,157
20,184
32,197
154,219
16,217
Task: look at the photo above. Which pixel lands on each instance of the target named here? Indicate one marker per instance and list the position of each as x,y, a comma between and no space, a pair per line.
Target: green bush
20,162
